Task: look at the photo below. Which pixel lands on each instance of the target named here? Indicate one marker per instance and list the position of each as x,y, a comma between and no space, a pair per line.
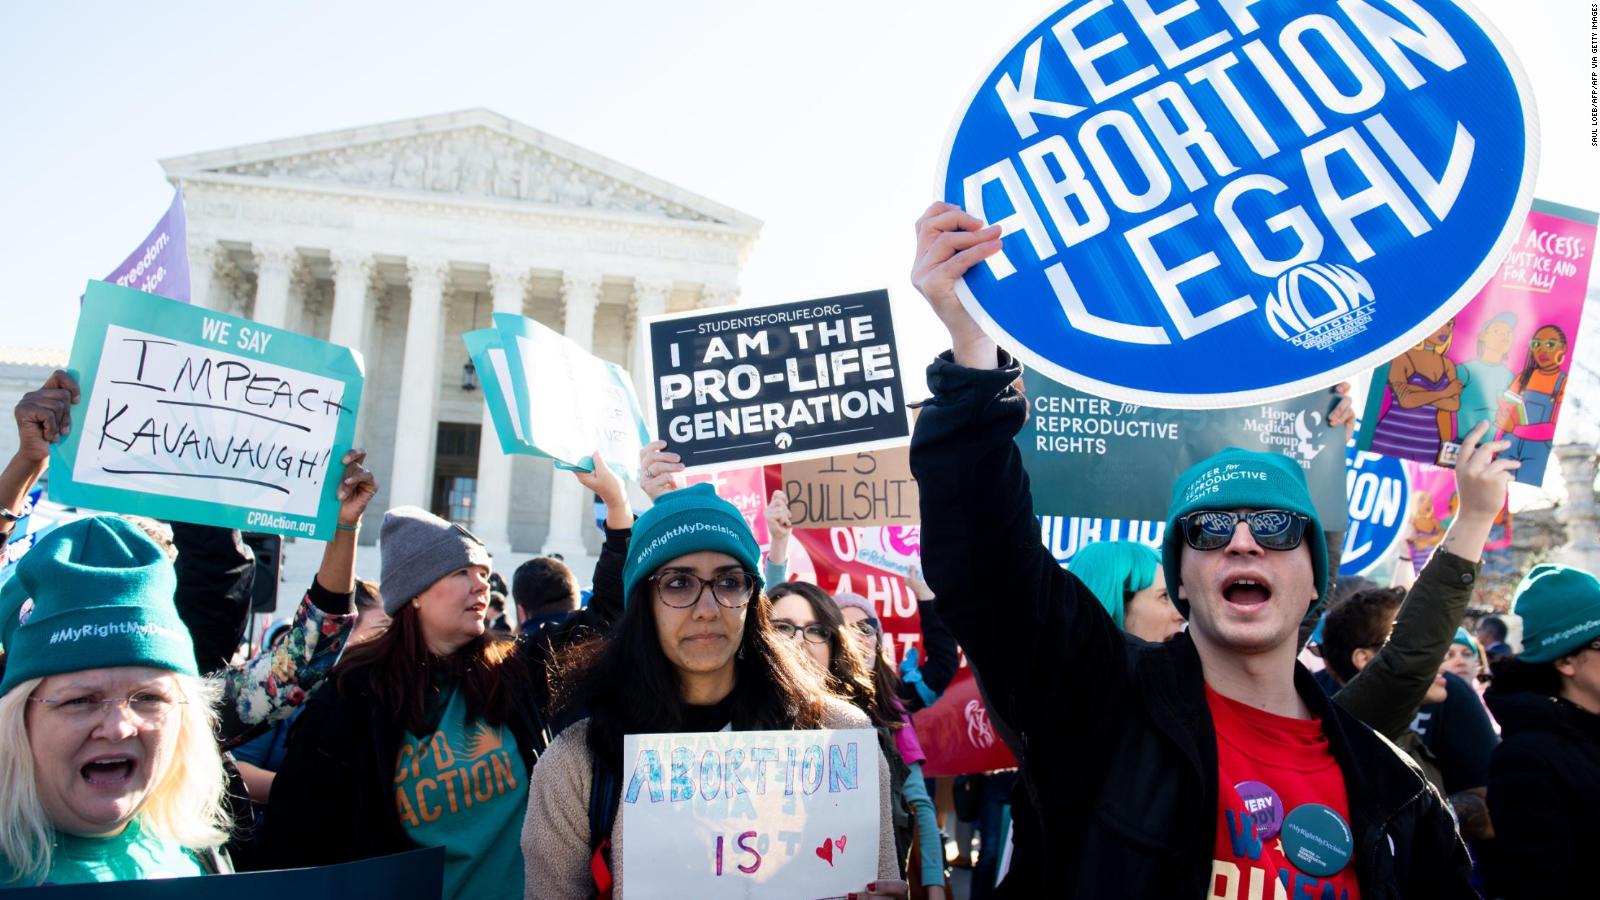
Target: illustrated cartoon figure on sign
1528,409
1426,529
1487,377
1427,393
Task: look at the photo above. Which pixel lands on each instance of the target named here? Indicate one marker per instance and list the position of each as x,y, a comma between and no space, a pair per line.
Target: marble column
569,509
508,284
649,300
1578,467
203,253
374,324
303,300
274,266
411,480
352,270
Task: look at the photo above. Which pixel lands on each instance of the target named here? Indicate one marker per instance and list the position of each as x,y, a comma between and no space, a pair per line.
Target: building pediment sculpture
474,154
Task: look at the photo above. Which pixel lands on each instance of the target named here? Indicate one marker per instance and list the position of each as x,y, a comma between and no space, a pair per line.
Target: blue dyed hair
1114,571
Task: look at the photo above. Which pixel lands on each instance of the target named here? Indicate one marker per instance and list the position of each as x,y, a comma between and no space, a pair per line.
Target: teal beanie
688,520
1242,479
92,594
1560,610
1111,569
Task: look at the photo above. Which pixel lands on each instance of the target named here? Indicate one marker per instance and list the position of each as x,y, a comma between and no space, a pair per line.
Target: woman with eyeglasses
110,770
858,668
694,650
1528,417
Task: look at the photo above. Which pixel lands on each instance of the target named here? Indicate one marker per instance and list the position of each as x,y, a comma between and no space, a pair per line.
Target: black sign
779,382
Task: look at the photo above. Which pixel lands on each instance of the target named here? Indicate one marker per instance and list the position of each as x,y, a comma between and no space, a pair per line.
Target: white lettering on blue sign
1378,494
1221,202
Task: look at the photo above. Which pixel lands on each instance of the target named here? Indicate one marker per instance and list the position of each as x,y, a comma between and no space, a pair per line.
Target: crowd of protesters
1170,742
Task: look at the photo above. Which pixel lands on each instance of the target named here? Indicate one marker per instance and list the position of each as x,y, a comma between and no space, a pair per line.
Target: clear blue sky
824,119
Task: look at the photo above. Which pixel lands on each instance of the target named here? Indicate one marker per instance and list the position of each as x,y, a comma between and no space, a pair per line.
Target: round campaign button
1264,806
1317,840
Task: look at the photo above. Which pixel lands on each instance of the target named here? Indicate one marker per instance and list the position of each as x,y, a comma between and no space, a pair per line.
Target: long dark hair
886,688
848,676
1531,365
627,685
400,670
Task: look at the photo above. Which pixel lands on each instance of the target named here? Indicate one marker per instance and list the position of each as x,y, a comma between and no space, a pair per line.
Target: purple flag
161,264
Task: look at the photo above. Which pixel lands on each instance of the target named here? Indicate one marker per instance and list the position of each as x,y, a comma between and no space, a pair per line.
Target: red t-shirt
1267,766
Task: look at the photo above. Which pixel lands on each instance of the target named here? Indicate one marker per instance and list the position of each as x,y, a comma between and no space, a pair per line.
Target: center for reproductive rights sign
1222,202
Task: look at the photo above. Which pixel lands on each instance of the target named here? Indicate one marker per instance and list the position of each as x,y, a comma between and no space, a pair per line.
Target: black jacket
216,577
1544,791
1119,757
333,801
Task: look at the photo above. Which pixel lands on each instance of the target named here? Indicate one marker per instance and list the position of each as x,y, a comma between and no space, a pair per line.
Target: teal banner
191,415
417,875
1095,458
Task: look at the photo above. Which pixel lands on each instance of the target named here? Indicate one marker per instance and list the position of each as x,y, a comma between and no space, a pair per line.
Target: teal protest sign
1096,458
488,354
563,402
415,875
194,416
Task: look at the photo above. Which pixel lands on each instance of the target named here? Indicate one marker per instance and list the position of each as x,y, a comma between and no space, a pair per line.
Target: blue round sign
1379,494
1218,202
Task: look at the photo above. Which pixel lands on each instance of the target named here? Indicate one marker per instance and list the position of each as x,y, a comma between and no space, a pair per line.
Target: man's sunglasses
1274,529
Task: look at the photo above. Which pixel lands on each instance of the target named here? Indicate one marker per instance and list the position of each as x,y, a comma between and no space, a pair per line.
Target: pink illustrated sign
744,488
1434,506
1504,359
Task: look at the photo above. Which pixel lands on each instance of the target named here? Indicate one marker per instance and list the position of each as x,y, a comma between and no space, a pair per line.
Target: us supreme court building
396,239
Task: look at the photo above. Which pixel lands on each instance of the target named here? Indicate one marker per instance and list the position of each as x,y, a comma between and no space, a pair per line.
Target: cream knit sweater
555,834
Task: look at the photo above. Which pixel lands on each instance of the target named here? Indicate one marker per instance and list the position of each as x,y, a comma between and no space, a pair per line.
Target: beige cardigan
555,834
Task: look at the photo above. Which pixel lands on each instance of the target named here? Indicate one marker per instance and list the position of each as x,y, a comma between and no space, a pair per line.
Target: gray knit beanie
419,548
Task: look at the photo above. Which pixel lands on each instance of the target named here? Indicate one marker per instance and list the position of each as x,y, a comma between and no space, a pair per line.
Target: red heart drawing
840,842
826,851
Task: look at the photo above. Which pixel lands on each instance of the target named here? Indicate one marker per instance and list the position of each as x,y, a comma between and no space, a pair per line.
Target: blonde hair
186,804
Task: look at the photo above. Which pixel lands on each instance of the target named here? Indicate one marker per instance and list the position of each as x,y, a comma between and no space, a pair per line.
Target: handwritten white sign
750,814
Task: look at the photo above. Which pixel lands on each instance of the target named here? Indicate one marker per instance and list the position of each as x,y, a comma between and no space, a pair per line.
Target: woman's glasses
147,709
815,633
681,590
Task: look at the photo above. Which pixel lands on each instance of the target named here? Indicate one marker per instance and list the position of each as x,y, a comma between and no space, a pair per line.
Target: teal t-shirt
464,788
133,855
1481,386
